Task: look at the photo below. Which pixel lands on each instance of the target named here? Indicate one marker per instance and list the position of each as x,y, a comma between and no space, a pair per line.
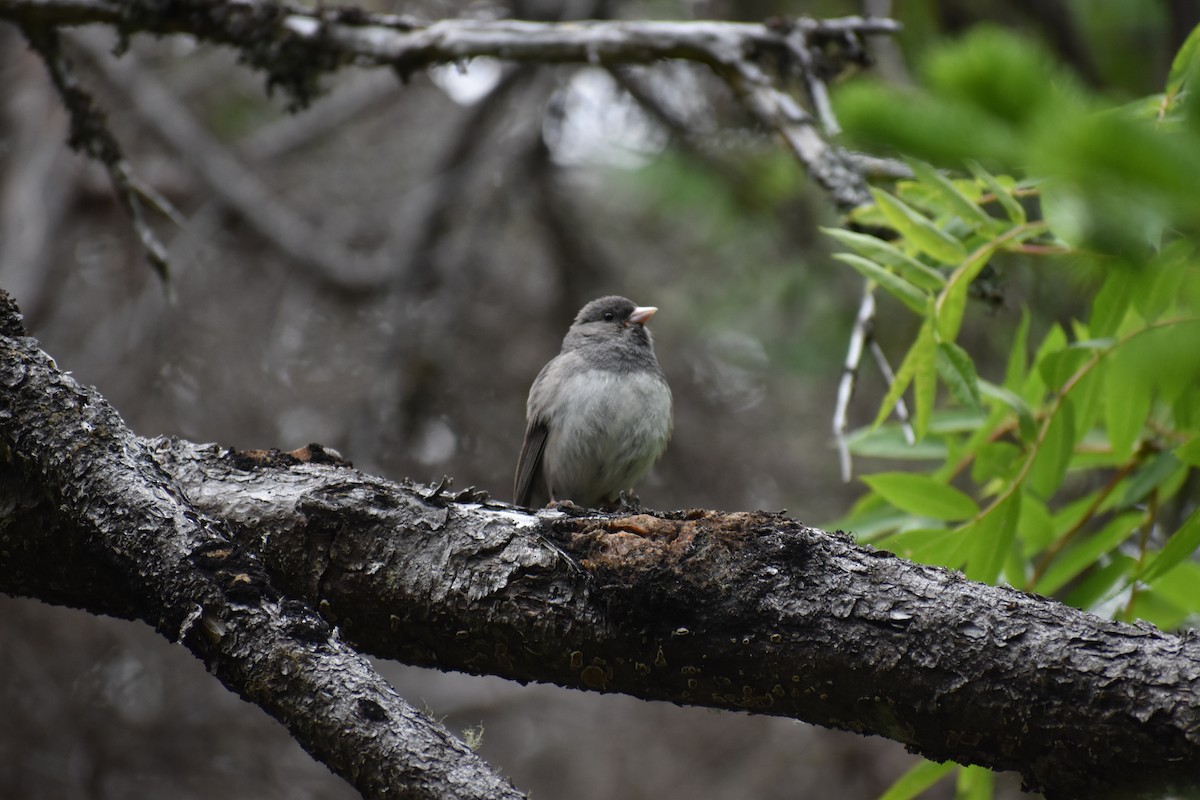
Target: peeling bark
271,566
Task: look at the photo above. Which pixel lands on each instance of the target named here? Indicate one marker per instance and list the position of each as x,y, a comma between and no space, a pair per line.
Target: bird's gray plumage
599,413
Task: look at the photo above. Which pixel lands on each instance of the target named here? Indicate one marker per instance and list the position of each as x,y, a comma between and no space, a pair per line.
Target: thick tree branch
742,611
70,469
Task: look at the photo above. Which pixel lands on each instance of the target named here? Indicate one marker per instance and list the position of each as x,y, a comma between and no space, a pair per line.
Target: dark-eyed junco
599,414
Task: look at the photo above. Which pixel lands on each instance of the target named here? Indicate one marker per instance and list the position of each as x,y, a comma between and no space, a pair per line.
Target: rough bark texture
232,553
88,517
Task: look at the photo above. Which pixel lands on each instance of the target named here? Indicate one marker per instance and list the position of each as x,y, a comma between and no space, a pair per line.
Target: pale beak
642,314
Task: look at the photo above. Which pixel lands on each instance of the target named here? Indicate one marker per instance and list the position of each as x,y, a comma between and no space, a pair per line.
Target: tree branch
70,468
746,611
90,134
294,47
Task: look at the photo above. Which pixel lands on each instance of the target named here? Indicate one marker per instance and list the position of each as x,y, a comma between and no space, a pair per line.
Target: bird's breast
606,430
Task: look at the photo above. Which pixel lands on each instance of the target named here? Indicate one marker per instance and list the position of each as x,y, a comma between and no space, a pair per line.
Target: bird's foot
566,506
628,501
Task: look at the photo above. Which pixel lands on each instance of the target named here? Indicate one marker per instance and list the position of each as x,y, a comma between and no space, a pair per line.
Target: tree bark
279,569
88,517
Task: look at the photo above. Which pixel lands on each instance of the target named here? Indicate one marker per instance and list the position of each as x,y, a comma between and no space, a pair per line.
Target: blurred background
384,274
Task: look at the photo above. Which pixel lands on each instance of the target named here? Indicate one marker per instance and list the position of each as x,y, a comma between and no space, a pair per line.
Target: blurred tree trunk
280,569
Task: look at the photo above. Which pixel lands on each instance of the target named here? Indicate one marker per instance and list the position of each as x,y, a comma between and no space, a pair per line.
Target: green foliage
1073,473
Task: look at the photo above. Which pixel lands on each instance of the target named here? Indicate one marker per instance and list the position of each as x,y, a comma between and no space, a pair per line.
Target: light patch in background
593,122
466,83
435,443
732,370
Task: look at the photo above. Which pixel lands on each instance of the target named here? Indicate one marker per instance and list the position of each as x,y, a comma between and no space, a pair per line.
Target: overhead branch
229,551
294,47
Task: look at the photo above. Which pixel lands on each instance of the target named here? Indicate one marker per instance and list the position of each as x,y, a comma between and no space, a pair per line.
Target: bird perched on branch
598,414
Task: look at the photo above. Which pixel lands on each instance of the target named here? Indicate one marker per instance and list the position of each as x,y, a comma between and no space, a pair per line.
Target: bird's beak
642,314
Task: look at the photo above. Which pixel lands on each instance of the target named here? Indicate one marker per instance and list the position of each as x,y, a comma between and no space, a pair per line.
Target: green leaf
1009,203
1150,476
870,518
974,783
887,254
1158,609
1112,301
1186,62
1088,397
995,460
991,538
1018,357
1178,586
1126,401
1034,387
1061,365
898,287
918,364
1172,600
1180,546
938,546
920,777
924,380
957,202
922,495
919,230
952,302
1189,452
958,373
1075,559
904,376
1057,446
1099,585
1027,426
1036,526
890,441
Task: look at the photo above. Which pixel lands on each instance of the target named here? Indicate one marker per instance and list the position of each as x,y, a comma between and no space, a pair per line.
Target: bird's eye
609,316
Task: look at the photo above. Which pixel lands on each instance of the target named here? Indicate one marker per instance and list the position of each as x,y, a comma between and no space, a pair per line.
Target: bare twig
332,266
862,338
37,188
780,111
90,134
818,93
291,132
858,339
889,377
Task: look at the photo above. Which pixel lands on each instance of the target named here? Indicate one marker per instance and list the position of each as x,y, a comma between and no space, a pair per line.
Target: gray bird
599,414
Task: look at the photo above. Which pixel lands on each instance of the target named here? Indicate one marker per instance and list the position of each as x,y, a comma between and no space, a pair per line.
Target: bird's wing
529,467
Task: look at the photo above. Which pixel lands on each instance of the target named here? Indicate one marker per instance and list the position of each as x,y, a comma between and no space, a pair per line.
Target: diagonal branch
153,556
90,134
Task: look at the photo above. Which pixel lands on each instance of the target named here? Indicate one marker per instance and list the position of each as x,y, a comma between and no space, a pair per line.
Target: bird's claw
627,501
565,506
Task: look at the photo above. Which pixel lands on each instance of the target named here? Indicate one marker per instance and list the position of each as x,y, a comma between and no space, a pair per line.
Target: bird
599,414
